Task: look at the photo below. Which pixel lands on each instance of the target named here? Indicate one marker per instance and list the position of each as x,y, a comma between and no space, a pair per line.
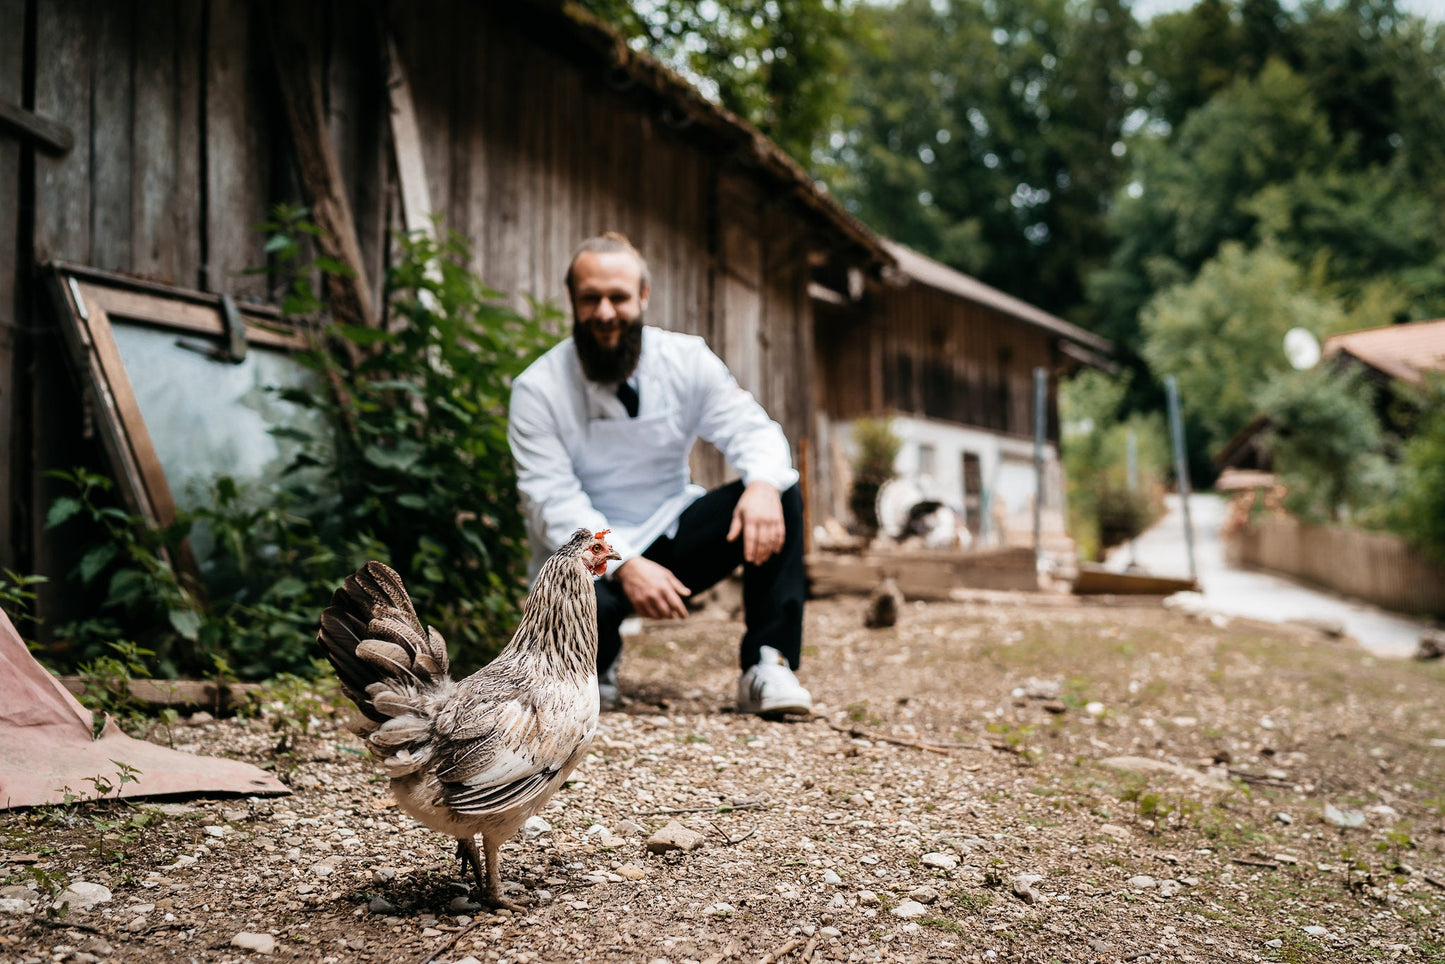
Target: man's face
608,300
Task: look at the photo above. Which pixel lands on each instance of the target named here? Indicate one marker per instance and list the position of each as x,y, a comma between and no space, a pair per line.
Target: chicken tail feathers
390,665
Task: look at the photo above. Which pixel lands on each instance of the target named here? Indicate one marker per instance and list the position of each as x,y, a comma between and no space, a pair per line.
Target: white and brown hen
482,754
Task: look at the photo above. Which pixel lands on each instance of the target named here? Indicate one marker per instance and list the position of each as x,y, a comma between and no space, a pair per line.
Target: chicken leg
489,889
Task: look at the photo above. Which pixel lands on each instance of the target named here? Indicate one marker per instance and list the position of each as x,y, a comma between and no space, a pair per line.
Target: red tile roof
1400,351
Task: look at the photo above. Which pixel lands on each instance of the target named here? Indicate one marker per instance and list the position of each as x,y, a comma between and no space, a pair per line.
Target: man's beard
607,365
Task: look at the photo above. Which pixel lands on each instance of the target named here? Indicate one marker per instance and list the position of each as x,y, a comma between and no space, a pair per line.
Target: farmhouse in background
950,361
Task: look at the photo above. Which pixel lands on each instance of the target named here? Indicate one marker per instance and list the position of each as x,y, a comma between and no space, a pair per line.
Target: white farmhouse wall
1007,471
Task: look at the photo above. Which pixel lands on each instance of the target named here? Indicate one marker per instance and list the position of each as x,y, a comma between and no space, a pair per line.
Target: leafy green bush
1418,512
875,449
1325,441
1103,510
414,471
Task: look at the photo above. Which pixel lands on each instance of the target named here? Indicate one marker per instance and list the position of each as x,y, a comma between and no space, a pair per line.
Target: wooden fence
1372,566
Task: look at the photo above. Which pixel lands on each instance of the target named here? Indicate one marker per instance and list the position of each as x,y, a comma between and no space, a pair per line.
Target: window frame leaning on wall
88,304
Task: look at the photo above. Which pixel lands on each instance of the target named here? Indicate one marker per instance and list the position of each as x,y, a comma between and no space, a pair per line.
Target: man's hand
652,589
759,519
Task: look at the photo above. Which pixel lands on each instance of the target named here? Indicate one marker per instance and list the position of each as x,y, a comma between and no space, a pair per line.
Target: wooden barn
950,362
142,144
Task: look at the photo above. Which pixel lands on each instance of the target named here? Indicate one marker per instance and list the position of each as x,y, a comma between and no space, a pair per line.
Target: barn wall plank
112,33
165,214
238,150
12,267
63,72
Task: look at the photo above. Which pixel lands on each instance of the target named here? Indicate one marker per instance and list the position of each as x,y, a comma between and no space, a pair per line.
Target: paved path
1237,592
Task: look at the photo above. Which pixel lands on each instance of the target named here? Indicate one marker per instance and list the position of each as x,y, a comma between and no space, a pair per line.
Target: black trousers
701,557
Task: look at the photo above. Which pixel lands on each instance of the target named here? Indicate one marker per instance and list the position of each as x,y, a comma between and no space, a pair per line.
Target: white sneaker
771,689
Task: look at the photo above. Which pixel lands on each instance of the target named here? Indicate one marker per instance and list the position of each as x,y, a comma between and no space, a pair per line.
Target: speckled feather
482,754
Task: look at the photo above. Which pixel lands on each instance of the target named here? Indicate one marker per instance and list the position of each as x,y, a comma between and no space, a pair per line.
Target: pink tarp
47,745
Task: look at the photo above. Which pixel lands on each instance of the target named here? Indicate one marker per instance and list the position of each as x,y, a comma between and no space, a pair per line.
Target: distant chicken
482,754
884,605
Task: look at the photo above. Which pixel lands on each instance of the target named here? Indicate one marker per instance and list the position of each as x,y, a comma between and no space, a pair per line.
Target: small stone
831,877
1274,943
14,905
218,830
720,909
201,718
535,827
236,816
1142,882
385,873
1283,818
867,898
674,836
1115,831
323,869
430,932
1094,708
838,902
380,905
83,895
909,909
1343,818
631,872
457,905
942,861
469,959
858,800
259,943
629,827
1023,887
924,895
1315,930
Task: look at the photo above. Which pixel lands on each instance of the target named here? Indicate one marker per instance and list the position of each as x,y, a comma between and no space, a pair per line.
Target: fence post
1181,467
1041,398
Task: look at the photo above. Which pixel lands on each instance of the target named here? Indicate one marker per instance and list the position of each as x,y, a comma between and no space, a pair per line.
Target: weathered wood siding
530,145
917,351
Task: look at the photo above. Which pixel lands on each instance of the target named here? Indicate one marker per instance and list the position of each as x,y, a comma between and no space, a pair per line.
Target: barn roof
682,106
1401,351
941,277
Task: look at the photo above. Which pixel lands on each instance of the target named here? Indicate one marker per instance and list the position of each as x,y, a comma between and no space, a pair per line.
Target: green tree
1222,334
984,135
1325,441
780,64
1418,512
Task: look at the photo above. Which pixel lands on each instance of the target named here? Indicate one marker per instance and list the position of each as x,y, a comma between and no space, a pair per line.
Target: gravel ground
1007,777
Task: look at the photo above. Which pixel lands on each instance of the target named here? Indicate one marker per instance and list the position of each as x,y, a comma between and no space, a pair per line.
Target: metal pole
1131,454
1181,466
1041,395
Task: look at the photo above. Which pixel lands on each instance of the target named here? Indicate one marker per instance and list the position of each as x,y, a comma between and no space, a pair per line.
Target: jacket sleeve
733,420
552,497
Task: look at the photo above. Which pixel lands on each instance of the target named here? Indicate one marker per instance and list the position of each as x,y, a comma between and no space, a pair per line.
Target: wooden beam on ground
178,694
298,75
923,574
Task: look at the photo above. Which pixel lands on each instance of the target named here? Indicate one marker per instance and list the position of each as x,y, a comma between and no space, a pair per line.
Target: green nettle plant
876,449
413,469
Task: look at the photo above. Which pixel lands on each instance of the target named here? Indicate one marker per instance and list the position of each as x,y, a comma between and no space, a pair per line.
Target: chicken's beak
612,555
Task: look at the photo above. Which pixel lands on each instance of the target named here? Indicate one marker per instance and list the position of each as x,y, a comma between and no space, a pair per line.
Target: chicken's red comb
603,533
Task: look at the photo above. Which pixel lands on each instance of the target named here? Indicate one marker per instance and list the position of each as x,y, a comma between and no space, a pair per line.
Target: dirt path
954,800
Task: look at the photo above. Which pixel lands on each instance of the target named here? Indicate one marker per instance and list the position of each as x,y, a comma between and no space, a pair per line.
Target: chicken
482,754
884,605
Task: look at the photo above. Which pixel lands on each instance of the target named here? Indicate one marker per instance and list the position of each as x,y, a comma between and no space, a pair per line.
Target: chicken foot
489,888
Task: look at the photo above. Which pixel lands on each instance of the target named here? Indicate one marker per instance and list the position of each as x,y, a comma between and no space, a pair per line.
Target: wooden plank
214,696
12,57
166,191
50,136
1093,580
62,93
111,31
202,319
406,146
297,74
237,139
356,118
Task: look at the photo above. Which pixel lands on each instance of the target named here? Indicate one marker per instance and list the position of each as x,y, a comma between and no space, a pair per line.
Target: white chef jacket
582,462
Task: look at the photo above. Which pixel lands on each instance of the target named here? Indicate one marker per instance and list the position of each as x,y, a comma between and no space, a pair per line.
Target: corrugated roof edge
599,37
925,270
